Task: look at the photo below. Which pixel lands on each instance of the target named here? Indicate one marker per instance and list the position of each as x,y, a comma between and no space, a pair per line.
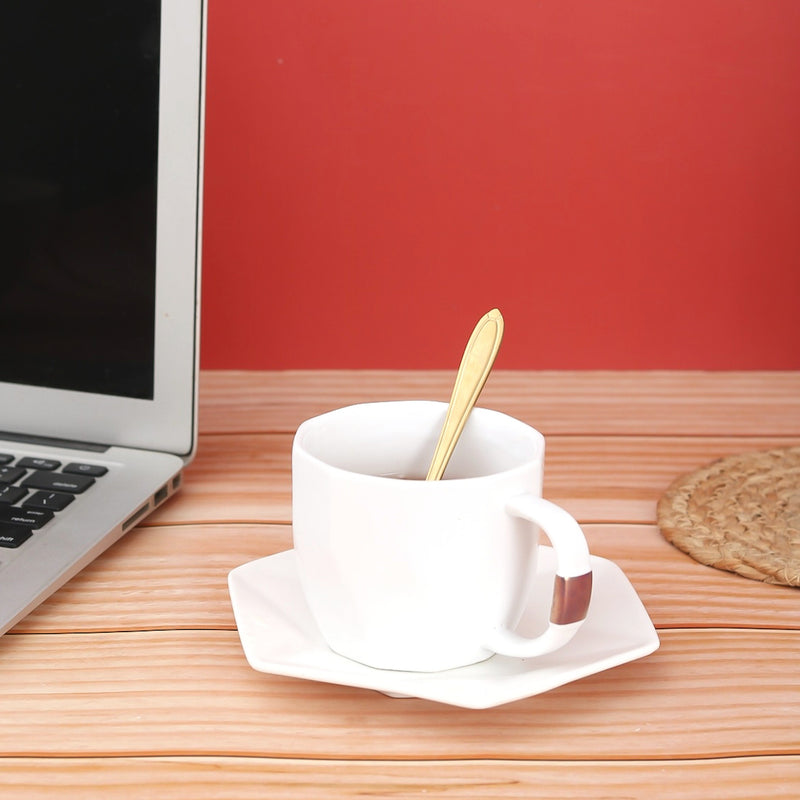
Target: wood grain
639,403
131,682
703,694
220,778
175,577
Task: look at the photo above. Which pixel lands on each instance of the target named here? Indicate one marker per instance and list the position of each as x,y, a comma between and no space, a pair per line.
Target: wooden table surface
131,682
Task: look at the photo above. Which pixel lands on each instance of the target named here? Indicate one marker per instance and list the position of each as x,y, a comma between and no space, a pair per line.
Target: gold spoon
476,363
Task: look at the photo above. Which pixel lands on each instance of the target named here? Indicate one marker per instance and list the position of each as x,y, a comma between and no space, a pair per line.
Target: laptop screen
79,92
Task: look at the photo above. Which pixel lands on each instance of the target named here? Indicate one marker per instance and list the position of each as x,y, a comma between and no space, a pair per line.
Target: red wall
620,177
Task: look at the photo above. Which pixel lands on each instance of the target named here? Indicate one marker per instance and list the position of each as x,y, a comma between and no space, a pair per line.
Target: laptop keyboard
33,490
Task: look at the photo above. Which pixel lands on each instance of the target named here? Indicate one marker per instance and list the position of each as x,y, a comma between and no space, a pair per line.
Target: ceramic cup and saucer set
432,589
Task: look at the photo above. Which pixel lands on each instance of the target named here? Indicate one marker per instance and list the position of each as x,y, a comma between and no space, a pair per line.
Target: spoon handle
476,363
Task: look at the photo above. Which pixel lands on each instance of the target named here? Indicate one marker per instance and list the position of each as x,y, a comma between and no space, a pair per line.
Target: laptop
100,206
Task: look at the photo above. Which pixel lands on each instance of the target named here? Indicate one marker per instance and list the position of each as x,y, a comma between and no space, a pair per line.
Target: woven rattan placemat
740,513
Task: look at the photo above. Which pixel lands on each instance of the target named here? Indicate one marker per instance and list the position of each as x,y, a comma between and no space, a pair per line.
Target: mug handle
572,589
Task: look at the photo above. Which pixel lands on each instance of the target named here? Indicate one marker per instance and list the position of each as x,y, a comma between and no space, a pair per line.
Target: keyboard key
11,494
94,470
38,463
10,474
29,517
13,535
53,501
6,458
58,482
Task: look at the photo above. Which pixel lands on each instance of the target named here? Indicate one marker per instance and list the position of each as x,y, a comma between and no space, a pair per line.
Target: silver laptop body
100,206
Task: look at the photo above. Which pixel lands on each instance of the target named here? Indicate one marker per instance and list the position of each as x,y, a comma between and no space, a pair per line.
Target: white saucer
280,637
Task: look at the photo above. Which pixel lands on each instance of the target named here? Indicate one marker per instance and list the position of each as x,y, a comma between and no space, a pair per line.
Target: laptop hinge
47,441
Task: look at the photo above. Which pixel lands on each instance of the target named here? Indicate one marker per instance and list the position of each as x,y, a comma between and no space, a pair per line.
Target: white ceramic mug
428,575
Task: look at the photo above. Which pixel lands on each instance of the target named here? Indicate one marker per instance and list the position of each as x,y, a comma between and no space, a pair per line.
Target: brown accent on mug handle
571,598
